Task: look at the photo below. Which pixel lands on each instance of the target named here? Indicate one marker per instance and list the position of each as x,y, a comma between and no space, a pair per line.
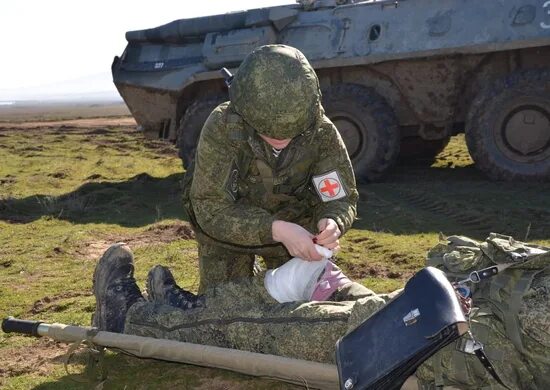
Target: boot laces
183,299
130,288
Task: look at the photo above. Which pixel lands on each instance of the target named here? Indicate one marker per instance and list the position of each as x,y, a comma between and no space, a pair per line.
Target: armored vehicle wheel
508,127
368,127
191,126
418,151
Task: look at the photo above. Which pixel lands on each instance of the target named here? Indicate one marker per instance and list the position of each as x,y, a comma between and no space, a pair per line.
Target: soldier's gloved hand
297,240
329,234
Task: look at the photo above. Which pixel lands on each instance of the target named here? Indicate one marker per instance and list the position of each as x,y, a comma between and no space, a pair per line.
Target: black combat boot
115,288
162,288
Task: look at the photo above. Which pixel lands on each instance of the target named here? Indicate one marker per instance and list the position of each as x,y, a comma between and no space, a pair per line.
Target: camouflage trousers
219,264
244,316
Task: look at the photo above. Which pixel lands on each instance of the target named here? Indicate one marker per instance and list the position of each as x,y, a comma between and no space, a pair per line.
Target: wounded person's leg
240,315
306,331
243,315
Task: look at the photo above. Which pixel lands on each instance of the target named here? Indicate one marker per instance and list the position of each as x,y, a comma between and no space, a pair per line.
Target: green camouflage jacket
239,187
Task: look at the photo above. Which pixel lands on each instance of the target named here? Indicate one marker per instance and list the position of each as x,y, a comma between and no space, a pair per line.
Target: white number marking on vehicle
546,5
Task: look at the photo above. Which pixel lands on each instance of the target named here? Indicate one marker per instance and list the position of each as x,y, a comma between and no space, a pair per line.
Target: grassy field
66,193
49,111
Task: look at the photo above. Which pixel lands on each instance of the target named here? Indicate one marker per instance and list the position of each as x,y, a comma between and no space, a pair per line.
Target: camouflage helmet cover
276,91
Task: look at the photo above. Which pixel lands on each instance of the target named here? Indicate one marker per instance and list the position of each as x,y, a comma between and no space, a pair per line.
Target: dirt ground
80,185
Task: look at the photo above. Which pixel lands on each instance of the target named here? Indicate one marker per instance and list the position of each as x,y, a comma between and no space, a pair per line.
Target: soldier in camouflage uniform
511,319
271,172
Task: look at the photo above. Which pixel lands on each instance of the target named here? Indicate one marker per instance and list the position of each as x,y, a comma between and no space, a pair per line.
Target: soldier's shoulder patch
329,186
232,181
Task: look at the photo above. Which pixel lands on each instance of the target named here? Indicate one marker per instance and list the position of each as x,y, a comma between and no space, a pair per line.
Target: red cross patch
329,186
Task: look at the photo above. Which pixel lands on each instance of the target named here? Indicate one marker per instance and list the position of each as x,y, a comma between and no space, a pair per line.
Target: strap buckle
468,345
477,276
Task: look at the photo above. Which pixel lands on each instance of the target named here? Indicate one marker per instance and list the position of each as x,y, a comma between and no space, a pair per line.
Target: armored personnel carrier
398,77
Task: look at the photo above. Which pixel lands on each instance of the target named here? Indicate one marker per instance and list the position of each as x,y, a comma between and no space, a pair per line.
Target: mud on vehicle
399,77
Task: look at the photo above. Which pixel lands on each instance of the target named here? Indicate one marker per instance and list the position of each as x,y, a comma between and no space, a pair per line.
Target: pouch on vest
388,347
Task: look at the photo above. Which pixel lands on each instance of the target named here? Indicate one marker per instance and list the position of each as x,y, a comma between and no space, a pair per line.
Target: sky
61,47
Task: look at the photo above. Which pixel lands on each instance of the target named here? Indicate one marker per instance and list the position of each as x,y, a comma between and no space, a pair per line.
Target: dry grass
60,111
66,193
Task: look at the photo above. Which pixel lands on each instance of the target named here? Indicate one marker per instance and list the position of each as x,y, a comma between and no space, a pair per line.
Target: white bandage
296,279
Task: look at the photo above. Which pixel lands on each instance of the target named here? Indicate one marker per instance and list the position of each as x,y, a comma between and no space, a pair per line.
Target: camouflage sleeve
334,180
213,198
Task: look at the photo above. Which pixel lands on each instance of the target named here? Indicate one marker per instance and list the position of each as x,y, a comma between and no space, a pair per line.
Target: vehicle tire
508,127
417,151
191,125
368,127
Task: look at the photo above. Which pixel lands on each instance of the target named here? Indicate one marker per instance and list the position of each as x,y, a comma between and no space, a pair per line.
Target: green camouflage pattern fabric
459,255
229,196
219,264
452,367
511,318
276,91
239,188
242,315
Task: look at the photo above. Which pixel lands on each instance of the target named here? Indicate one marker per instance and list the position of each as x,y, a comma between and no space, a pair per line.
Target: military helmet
276,91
